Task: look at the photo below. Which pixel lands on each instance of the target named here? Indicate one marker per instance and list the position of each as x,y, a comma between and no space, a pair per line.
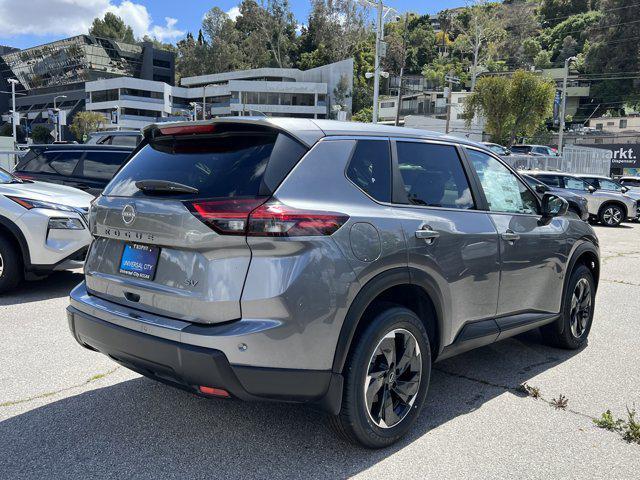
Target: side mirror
541,188
624,189
591,189
507,152
553,206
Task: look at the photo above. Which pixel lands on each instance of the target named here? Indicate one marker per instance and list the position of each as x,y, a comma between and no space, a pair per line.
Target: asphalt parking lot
66,412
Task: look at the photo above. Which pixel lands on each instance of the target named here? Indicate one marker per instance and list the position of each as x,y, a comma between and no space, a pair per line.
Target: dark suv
87,167
326,263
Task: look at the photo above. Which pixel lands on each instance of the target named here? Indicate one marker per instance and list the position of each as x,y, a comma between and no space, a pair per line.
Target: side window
124,140
550,180
39,163
62,163
102,165
504,191
433,175
370,168
592,181
574,183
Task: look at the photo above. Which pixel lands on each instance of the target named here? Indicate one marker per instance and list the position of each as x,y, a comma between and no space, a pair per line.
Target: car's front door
533,250
449,240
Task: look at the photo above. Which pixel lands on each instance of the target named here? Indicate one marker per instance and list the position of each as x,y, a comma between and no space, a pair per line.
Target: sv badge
190,283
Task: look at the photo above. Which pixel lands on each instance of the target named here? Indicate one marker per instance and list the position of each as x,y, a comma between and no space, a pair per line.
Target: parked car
43,227
577,203
536,150
497,148
632,183
293,260
87,167
602,182
610,208
125,138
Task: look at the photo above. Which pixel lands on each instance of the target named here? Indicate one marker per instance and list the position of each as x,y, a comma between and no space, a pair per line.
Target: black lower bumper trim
188,366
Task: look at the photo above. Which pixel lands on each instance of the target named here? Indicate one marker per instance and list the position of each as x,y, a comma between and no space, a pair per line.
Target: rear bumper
189,366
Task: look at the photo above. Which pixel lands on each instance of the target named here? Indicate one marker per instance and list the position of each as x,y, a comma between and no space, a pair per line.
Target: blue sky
25,23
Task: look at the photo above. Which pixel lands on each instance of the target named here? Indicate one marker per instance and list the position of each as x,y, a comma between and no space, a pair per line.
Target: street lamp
563,102
204,99
55,109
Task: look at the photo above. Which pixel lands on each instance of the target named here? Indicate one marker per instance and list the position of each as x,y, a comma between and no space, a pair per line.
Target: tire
571,330
611,215
10,265
369,425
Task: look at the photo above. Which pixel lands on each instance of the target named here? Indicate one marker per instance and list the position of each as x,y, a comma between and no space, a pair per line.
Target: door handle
510,236
425,233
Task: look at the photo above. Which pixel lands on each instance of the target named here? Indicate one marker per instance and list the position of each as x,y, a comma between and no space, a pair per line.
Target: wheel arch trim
10,227
369,292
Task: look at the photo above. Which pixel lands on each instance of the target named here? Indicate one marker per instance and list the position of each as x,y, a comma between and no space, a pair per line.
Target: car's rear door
533,252
450,241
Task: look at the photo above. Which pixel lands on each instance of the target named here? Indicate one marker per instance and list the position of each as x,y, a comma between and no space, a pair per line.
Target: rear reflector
253,217
216,392
187,129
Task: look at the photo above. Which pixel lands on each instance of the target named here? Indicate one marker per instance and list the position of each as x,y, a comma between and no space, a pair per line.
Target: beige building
615,124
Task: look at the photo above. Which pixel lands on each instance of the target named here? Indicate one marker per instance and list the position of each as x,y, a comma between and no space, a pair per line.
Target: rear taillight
197,129
274,219
253,217
23,176
227,217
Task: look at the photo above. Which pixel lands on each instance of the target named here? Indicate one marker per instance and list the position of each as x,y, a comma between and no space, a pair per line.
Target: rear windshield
232,165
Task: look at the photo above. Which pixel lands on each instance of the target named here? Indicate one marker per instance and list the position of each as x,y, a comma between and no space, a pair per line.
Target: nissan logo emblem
128,214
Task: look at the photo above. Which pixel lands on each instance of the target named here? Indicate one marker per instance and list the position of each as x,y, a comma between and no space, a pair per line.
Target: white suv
42,228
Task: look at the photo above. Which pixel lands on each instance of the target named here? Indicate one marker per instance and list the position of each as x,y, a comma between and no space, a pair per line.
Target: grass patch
531,391
561,402
628,428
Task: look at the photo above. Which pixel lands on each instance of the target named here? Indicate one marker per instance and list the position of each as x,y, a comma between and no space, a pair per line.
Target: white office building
317,93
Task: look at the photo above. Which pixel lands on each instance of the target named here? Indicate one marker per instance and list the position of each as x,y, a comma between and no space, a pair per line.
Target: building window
610,124
161,63
623,123
139,112
142,93
387,104
162,78
105,95
599,126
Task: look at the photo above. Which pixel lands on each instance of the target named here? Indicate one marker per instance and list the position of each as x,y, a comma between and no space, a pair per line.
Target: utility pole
376,68
404,59
563,102
446,128
451,79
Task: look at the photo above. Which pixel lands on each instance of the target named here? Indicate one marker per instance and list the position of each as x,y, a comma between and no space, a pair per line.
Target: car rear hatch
170,228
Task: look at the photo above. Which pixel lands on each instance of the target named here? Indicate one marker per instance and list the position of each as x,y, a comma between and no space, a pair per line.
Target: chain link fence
574,159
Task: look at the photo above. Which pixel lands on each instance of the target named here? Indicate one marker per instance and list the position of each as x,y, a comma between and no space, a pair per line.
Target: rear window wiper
164,186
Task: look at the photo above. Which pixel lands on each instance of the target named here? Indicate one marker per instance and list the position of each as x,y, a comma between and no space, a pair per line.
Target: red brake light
275,219
253,217
188,129
217,392
23,176
227,217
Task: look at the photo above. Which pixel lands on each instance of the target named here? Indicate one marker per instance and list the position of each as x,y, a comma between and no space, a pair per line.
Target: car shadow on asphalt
148,430
56,285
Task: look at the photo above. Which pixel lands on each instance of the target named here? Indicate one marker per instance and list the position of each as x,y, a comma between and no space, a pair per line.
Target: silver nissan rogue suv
326,263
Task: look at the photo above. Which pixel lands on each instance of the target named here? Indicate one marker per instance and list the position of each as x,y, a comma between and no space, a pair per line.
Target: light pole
194,105
13,83
204,99
563,102
55,109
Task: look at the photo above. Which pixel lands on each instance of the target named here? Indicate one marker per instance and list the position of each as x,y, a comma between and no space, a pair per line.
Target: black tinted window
231,165
520,149
124,140
61,163
370,168
433,175
551,180
102,165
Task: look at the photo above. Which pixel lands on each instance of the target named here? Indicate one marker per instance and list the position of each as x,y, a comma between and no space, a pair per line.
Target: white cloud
234,12
72,17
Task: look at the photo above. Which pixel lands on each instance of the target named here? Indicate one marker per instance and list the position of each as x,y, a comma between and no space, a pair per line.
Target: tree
521,26
40,134
576,27
7,131
342,92
513,106
479,27
112,26
552,12
569,48
85,123
543,60
365,115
